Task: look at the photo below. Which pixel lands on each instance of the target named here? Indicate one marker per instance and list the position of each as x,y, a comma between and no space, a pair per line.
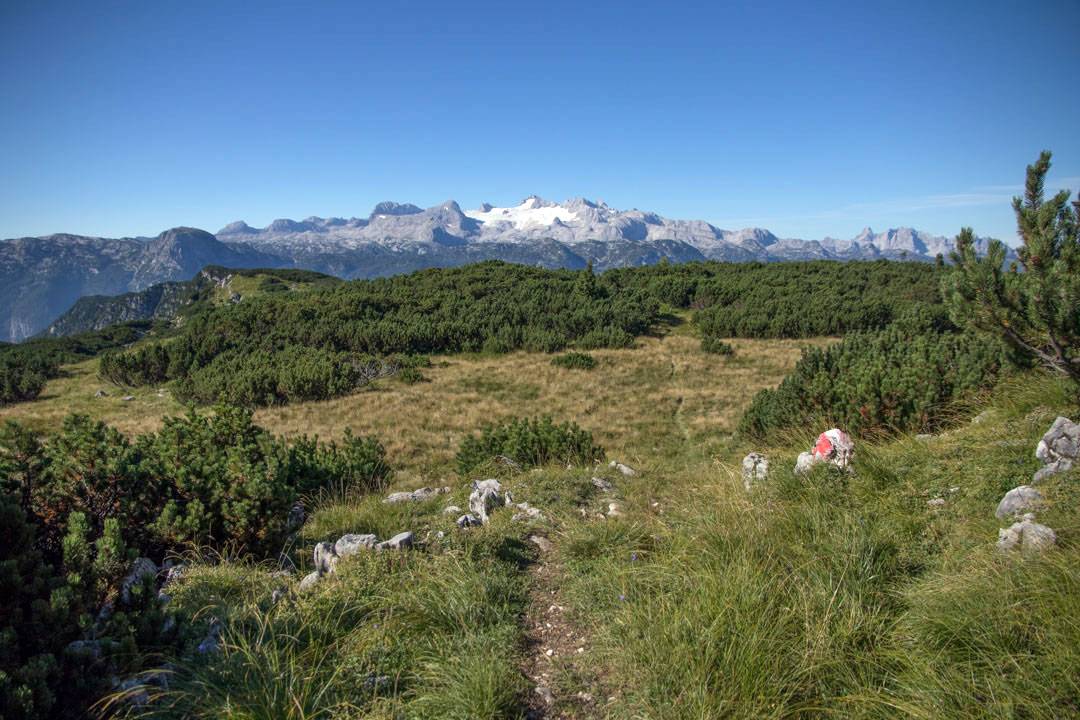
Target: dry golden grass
74,391
648,401
636,402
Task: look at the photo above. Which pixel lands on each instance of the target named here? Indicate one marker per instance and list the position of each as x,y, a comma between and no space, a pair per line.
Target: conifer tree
1036,311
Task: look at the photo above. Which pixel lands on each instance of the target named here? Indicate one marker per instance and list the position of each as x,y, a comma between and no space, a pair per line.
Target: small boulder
614,510
401,541
834,446
542,543
936,502
1061,442
485,497
351,544
624,469
468,521
101,394
602,485
1027,535
1018,501
310,580
325,558
527,512
128,398
140,568
755,468
805,462
420,495
451,510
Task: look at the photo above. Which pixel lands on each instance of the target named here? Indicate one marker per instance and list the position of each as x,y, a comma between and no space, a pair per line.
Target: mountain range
41,277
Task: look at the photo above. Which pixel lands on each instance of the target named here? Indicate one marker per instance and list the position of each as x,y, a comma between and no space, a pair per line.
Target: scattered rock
1052,469
212,642
101,394
468,521
351,544
805,462
127,398
451,510
401,541
174,573
624,469
140,568
545,695
277,596
1058,449
602,485
485,497
755,468
981,417
924,437
543,543
133,691
420,495
936,502
1028,535
310,580
1018,501
614,510
325,558
528,512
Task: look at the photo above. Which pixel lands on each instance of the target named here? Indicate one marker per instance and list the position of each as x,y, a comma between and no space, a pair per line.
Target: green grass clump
716,346
574,361
838,594
416,634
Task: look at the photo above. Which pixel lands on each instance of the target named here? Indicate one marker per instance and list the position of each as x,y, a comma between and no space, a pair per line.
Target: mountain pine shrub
1037,311
574,361
529,442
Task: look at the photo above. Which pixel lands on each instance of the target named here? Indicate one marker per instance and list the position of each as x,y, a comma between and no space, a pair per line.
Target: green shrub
574,361
902,378
21,379
716,346
529,442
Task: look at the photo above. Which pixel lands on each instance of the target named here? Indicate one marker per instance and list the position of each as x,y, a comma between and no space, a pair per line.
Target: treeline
78,507
323,343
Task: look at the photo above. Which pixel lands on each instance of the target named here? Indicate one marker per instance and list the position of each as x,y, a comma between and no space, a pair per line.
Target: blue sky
810,119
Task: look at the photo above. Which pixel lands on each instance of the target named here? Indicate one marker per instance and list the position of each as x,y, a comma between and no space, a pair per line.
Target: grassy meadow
674,594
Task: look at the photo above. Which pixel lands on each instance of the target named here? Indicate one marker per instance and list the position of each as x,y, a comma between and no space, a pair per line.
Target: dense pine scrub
907,377
791,299
574,361
80,505
324,343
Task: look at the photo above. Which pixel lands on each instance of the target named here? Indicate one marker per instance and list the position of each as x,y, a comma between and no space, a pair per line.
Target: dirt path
553,645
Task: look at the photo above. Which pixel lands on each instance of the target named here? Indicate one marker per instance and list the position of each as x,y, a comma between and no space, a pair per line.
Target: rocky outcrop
1058,450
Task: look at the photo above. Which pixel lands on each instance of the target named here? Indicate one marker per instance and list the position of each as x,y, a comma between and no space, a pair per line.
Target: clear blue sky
809,118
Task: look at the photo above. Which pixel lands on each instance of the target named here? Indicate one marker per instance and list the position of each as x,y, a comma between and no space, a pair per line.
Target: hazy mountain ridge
40,278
